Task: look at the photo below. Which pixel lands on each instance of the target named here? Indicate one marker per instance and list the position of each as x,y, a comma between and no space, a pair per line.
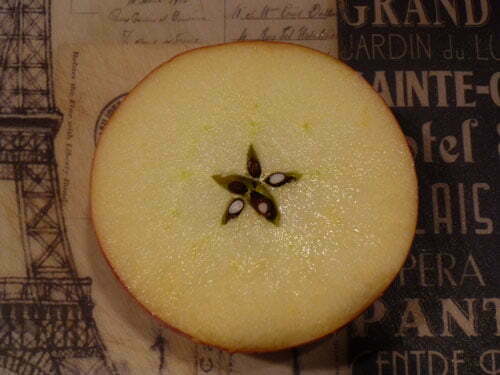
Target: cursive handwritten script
283,12
125,15
289,33
132,37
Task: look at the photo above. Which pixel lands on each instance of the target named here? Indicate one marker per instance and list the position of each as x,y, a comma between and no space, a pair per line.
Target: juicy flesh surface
346,225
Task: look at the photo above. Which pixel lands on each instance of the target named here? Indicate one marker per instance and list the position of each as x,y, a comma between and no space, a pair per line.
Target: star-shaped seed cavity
253,190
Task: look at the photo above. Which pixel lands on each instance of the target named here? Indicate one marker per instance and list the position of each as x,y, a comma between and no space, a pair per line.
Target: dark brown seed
234,209
253,164
254,169
279,179
237,187
224,181
263,206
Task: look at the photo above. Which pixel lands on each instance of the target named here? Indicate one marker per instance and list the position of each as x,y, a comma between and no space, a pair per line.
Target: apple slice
255,196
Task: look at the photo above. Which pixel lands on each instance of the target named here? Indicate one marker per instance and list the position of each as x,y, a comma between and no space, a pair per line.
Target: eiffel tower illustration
46,315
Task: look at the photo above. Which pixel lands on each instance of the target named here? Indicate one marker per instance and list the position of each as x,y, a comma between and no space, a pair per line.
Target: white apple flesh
345,226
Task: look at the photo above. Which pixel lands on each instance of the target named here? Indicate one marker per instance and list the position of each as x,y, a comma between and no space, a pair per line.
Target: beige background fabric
101,49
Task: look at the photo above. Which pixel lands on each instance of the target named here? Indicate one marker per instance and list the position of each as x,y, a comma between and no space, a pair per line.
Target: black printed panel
437,65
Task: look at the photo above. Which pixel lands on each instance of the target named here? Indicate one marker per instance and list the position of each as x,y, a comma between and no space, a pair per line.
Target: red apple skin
355,315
